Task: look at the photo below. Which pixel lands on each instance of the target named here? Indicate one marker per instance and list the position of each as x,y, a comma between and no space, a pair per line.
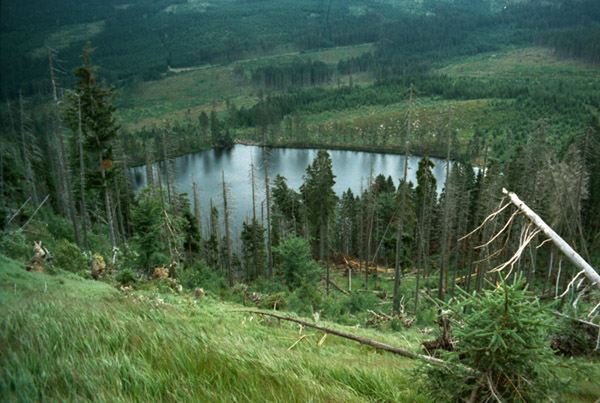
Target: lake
351,168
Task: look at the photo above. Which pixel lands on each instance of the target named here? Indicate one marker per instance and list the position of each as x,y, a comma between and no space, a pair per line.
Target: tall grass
80,340
64,338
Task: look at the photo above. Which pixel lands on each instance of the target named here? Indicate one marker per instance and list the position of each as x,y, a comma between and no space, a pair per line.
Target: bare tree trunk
269,241
396,304
370,214
119,211
149,168
362,340
444,241
564,247
24,153
165,216
82,176
197,213
361,235
109,218
64,166
227,239
253,189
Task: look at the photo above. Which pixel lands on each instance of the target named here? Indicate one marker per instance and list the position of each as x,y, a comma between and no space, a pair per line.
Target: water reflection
206,169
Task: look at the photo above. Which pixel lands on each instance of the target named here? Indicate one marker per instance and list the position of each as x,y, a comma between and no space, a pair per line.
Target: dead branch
494,214
585,322
362,340
35,211
500,232
336,286
18,211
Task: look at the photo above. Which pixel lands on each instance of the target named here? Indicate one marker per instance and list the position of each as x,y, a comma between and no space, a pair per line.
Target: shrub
67,256
60,228
15,245
126,277
200,275
503,339
276,301
305,300
296,262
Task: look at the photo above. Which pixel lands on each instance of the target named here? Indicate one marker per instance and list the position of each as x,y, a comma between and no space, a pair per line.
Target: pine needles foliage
502,350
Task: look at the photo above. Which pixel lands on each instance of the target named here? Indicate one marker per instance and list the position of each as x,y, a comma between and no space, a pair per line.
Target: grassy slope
84,340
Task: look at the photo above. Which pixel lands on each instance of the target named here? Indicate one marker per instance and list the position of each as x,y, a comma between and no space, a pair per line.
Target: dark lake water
351,168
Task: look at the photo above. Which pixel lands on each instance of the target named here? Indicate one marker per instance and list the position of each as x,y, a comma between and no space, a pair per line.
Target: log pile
344,264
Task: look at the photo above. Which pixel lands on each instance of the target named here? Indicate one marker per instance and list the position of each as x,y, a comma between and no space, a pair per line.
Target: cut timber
362,340
560,243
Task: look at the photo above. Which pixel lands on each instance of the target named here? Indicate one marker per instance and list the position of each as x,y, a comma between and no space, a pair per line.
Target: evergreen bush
126,277
67,256
502,350
200,275
296,262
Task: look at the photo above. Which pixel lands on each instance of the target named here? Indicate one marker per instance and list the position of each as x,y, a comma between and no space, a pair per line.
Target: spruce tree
91,112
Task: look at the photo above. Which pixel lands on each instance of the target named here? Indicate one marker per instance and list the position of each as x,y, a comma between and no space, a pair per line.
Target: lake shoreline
312,146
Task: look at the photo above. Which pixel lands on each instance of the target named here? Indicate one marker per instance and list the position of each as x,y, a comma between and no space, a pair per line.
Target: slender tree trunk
24,153
227,239
444,242
109,218
253,189
370,214
65,171
197,213
269,241
396,303
164,214
119,212
361,235
82,176
421,240
149,168
165,162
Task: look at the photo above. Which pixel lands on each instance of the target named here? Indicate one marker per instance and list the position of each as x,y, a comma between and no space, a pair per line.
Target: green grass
83,340
521,62
69,339
202,88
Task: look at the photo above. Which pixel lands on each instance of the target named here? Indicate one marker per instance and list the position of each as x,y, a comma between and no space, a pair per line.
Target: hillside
70,339
82,339
99,95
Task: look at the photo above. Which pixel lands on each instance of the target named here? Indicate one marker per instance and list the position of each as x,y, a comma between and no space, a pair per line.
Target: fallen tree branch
35,211
362,340
585,322
337,287
560,243
18,211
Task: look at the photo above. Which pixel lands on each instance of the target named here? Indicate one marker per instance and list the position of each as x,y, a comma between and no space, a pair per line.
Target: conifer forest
291,201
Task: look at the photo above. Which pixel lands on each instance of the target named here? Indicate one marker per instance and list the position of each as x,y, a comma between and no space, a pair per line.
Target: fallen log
336,286
560,243
362,340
